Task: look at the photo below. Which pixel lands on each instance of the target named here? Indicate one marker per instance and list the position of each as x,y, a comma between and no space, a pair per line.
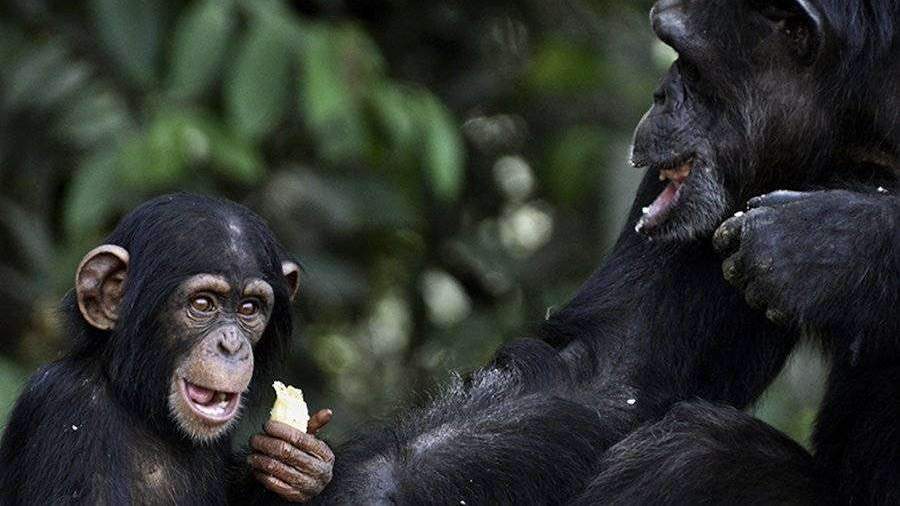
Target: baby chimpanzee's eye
202,303
249,308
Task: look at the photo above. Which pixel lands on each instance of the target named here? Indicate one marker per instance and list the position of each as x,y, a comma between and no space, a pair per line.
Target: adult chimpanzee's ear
99,283
803,21
292,276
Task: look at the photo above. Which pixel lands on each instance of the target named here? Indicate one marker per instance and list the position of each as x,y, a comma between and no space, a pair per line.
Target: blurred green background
446,171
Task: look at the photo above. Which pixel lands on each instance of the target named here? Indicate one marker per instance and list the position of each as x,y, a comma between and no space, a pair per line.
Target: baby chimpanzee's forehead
184,234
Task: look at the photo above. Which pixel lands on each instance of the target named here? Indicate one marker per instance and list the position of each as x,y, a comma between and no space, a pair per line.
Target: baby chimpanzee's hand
293,464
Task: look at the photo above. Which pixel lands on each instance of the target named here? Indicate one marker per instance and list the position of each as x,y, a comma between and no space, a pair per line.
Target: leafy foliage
444,172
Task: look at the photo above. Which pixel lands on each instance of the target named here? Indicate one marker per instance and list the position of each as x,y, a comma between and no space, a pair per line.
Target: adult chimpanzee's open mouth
211,406
676,172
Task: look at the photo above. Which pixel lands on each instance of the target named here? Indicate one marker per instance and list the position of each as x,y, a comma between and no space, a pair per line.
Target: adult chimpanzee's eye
249,308
202,303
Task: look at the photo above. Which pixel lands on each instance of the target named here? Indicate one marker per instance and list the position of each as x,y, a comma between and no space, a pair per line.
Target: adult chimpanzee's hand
293,464
808,258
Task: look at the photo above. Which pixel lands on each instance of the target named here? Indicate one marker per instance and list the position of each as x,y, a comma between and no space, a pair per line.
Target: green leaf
444,152
180,139
91,198
37,65
201,37
330,107
258,87
30,235
233,157
95,115
130,31
395,116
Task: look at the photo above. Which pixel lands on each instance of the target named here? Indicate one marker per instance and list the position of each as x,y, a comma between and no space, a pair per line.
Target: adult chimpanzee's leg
702,454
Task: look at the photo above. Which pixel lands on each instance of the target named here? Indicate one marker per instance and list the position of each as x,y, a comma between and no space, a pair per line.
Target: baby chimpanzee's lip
213,407
676,171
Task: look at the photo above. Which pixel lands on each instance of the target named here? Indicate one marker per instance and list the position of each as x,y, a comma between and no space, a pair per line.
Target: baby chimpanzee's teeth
221,397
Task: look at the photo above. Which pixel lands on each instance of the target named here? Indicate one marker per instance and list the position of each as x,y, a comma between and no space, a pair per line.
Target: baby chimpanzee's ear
291,273
99,283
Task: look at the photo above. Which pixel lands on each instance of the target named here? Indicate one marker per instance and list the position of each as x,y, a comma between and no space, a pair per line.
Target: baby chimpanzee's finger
286,452
281,488
302,440
319,420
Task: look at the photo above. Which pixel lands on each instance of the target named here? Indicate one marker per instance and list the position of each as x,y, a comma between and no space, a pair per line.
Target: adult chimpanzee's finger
776,198
727,238
319,420
733,271
302,440
281,488
755,295
286,452
776,315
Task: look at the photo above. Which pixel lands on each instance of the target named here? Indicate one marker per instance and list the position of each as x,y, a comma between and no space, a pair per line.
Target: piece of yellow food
289,407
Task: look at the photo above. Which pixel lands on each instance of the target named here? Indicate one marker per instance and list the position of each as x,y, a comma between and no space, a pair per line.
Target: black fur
763,97
90,427
702,454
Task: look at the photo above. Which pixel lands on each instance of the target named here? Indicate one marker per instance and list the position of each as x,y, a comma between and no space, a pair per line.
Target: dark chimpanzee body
172,318
766,95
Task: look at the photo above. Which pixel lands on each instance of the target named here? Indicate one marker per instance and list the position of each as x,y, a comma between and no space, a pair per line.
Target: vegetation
445,172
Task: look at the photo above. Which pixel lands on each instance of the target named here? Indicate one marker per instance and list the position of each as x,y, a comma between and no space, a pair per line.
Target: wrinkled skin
293,464
824,261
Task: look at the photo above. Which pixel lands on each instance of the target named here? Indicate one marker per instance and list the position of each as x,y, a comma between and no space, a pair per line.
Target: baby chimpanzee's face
218,322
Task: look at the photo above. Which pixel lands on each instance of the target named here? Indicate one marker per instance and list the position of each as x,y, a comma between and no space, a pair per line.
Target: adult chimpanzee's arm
704,454
656,325
856,438
489,439
826,261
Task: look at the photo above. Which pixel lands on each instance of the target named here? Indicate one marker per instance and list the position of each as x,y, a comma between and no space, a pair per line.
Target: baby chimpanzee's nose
230,342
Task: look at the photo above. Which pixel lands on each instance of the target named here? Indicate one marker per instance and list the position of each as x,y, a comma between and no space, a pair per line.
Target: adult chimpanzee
172,319
765,95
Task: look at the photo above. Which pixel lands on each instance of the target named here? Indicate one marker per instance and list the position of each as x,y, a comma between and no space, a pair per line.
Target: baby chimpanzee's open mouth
676,172
212,406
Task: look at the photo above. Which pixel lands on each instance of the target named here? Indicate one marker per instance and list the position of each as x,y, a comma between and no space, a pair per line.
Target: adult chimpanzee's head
177,305
765,94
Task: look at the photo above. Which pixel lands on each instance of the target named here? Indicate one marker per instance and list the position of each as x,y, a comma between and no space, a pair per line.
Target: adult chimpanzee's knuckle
763,263
723,237
776,315
756,296
730,269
